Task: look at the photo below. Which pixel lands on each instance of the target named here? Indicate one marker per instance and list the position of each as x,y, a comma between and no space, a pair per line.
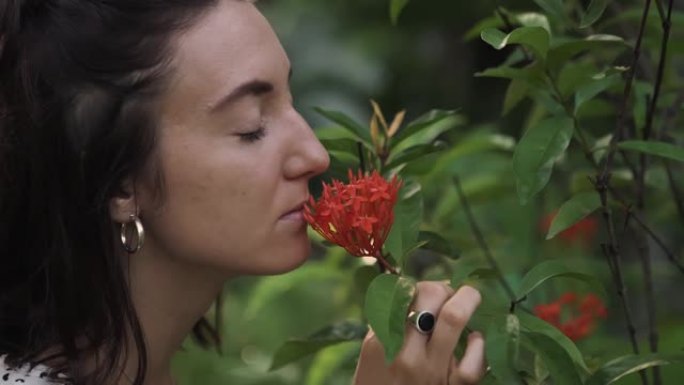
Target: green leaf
552,269
396,6
662,149
359,131
413,153
408,214
594,12
534,19
294,350
535,324
538,149
573,211
535,38
344,145
590,90
622,366
329,362
423,123
465,269
387,303
363,276
502,341
559,55
516,92
554,7
438,244
559,364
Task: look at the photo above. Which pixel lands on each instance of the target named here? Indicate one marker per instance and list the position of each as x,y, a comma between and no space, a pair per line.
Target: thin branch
481,241
642,242
644,252
670,255
620,125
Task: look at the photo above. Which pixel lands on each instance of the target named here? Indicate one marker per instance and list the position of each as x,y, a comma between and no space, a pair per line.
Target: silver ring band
423,321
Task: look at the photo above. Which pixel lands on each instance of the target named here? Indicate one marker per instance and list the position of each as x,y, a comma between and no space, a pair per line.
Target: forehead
229,45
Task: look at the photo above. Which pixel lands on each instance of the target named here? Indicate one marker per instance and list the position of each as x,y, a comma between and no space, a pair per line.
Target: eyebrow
254,87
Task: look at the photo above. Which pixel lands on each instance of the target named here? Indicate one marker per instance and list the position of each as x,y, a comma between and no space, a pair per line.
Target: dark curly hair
78,85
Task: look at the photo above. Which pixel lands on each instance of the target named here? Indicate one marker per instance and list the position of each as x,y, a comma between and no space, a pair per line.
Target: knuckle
433,289
406,365
454,317
472,293
470,377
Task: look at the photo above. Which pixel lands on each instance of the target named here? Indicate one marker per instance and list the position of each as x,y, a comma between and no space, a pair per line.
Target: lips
295,212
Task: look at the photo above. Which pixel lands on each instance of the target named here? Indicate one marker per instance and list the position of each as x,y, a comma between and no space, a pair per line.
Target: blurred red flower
574,317
358,215
582,232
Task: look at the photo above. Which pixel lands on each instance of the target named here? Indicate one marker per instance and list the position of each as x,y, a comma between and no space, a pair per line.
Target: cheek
219,207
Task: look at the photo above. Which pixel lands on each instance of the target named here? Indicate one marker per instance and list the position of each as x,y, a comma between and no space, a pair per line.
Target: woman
149,151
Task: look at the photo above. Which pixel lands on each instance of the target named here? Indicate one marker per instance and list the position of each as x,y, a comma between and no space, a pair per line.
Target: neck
169,296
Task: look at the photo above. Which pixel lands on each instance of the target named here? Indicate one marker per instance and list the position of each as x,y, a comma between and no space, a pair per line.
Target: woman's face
235,155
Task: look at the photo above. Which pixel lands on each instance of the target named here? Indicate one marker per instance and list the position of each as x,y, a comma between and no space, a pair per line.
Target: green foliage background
345,52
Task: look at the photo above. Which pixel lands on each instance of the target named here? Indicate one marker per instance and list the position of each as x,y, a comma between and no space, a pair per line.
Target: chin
285,259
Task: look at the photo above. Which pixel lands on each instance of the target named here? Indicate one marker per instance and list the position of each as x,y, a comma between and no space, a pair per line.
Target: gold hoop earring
140,232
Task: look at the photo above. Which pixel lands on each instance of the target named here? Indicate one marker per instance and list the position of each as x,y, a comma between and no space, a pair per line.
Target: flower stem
384,265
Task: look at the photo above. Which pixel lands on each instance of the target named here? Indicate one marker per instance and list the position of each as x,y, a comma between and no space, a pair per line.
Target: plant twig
642,242
481,241
670,255
622,112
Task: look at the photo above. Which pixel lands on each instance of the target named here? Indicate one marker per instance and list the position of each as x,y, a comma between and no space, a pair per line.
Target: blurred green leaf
538,149
408,214
328,362
534,19
348,146
560,54
662,149
573,211
396,6
438,244
559,364
464,269
593,13
423,123
359,131
413,153
387,303
590,90
363,276
297,349
502,341
552,269
269,289
516,92
622,366
532,323
535,38
553,7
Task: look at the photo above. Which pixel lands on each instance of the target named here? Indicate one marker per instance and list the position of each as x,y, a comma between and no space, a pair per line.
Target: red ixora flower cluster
357,215
582,232
579,318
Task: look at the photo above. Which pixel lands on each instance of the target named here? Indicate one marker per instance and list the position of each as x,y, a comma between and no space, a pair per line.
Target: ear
124,203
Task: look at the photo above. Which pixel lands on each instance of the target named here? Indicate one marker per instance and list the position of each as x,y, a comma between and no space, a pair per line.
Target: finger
371,368
430,296
472,366
451,321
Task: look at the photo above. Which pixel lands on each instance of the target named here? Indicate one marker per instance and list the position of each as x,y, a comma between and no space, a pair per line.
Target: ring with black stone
423,321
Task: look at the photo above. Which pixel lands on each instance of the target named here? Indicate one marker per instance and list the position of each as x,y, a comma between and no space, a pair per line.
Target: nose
308,157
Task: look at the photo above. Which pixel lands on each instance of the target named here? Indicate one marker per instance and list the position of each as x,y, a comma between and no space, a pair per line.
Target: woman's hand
428,358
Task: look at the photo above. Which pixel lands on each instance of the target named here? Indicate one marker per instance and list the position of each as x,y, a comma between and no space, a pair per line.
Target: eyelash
254,136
